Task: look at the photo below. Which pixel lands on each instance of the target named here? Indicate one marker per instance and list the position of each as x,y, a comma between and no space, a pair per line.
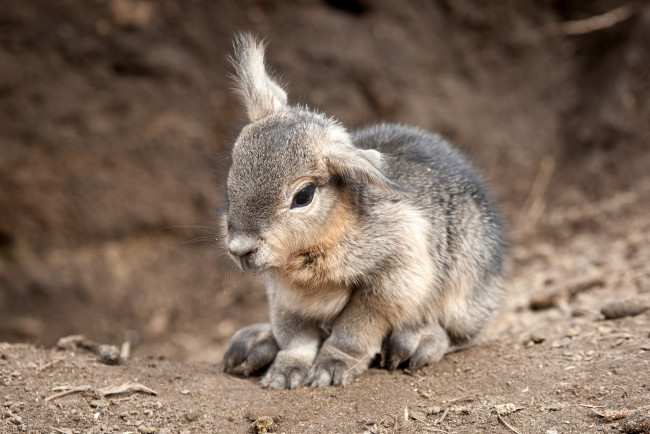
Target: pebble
504,409
262,425
537,339
109,354
192,415
621,310
70,342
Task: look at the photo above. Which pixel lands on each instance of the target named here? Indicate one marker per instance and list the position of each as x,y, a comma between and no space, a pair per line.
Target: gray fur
401,244
254,346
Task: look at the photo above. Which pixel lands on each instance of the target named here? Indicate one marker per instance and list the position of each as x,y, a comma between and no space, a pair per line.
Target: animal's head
290,167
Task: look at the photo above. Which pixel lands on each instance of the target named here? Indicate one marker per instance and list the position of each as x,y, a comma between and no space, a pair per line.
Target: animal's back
419,160
466,234
425,165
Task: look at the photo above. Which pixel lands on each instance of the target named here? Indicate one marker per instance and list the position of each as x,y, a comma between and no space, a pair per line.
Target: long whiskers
200,240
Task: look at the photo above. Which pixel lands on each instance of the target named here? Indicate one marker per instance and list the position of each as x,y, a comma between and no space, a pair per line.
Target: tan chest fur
313,279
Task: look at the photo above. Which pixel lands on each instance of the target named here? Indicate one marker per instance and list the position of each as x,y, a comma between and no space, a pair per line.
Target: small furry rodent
376,241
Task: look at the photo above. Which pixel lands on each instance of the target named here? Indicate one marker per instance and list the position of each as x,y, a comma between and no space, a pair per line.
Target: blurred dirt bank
116,117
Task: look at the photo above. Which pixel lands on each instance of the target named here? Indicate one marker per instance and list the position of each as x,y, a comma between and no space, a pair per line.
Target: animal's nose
242,245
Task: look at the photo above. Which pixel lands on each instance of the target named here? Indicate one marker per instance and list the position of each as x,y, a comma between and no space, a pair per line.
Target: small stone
262,425
97,403
573,331
109,354
192,415
70,342
147,429
623,309
537,339
504,409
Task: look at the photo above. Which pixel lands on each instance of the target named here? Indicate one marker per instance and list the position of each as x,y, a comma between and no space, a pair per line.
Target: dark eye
304,196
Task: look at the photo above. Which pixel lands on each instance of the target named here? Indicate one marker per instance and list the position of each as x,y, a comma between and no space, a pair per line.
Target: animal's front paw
253,346
334,366
288,370
420,347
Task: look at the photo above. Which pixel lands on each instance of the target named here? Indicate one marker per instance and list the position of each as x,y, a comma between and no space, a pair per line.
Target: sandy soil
116,121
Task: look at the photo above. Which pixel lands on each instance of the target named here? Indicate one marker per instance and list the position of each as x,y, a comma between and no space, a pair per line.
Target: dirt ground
115,122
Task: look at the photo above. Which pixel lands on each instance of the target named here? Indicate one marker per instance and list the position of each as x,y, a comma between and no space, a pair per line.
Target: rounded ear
363,165
262,96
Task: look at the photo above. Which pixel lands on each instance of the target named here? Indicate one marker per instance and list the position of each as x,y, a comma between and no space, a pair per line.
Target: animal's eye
304,196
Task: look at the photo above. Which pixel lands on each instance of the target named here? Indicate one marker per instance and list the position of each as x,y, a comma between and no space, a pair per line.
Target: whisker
195,262
206,229
199,240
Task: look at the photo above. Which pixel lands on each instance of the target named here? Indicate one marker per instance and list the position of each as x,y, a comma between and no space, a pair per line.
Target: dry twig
551,297
126,388
599,22
442,418
610,415
534,204
125,350
52,363
506,423
67,391
388,416
461,399
107,391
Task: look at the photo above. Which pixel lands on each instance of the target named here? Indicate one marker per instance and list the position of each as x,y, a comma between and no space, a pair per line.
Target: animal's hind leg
421,346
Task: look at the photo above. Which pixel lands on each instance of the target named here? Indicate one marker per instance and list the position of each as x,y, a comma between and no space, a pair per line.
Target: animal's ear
363,165
262,96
